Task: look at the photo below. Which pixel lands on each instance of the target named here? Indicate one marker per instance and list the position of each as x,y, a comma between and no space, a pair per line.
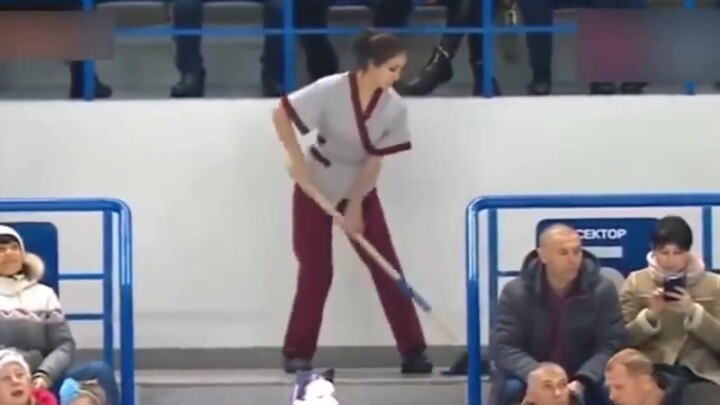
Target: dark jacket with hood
589,325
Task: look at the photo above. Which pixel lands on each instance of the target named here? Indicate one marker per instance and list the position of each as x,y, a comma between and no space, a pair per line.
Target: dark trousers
188,14
540,13
312,242
319,52
464,13
320,57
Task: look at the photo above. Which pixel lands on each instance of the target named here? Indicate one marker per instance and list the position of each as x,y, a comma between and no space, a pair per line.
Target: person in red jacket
16,387
41,396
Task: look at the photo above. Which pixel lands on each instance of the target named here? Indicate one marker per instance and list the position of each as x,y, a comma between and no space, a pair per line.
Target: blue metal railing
123,237
492,204
289,32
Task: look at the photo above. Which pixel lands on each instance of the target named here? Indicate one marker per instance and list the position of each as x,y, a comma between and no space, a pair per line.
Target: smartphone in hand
672,284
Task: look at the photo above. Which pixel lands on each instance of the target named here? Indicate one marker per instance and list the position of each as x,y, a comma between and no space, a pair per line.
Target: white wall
211,199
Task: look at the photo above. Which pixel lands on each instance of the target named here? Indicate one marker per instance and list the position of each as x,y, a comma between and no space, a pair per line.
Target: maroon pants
312,242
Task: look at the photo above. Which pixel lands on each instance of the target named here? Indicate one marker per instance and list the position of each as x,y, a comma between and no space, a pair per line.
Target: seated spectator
32,322
16,386
678,328
548,385
632,380
81,393
562,310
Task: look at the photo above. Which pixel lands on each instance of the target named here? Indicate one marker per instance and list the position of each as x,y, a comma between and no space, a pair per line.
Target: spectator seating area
142,66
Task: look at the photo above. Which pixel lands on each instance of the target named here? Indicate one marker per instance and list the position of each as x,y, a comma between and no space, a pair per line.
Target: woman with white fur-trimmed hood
33,323
31,318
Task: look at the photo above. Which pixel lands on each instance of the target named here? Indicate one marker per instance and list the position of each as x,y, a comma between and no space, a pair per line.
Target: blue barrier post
494,203
689,87
123,236
108,261
88,66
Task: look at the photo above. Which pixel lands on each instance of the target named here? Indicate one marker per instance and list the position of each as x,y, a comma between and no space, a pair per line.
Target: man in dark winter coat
561,310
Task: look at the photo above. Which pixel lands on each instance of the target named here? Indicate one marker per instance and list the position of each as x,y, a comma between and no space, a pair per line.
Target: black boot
416,363
541,83
191,85
459,367
539,87
478,86
632,87
77,82
603,88
436,72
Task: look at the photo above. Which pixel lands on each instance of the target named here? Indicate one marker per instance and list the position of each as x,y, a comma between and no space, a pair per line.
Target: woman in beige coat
679,329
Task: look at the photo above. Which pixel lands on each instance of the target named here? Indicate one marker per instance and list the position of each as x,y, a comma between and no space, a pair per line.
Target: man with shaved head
548,385
560,310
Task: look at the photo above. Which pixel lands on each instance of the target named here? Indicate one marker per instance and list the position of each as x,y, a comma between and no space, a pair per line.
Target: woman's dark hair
376,48
8,239
672,230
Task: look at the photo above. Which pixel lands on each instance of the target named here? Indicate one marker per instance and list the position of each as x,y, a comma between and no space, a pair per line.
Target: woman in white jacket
32,321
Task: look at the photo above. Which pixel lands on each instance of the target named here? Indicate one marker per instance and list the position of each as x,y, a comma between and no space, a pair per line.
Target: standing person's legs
625,87
271,60
188,14
398,308
438,69
474,17
312,243
320,55
539,44
391,13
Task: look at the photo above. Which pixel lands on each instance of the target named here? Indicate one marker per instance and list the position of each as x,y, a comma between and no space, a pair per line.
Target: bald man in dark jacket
561,310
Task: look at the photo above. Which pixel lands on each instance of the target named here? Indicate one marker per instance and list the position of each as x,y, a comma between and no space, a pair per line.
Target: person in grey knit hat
33,323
